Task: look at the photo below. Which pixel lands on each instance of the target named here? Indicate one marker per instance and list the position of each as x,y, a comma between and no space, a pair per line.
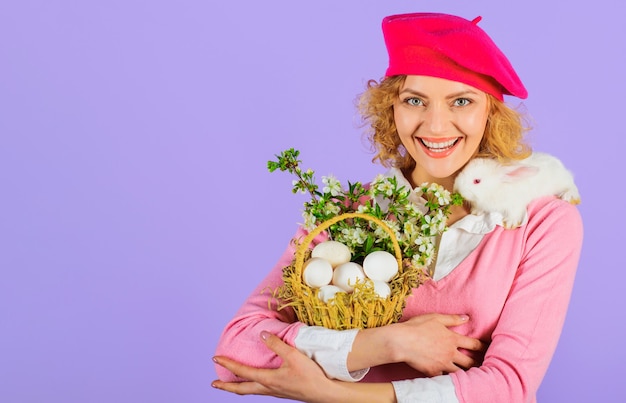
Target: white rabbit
490,186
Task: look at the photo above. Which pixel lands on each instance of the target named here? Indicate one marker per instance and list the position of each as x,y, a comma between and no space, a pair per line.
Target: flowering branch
416,216
288,161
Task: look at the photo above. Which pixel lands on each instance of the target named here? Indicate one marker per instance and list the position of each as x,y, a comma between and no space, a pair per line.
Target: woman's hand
298,378
423,342
432,348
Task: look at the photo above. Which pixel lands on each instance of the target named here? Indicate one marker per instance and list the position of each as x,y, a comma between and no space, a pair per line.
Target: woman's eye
462,102
414,101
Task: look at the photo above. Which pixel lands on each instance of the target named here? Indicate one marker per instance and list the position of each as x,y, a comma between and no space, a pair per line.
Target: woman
485,327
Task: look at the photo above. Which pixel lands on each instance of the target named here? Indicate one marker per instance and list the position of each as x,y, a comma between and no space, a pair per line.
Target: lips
438,148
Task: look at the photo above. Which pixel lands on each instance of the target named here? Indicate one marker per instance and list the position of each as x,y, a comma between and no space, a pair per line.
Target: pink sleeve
240,339
531,321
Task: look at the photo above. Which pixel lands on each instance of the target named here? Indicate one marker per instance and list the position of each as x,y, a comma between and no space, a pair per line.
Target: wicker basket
360,309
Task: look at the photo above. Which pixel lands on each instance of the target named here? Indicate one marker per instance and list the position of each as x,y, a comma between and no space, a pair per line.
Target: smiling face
441,124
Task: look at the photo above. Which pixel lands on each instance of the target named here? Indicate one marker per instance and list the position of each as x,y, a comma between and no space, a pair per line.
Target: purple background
136,213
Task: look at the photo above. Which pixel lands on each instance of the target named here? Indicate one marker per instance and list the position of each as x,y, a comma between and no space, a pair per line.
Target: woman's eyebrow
462,93
413,92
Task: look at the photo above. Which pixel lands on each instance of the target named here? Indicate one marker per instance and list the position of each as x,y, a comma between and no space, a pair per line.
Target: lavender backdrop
136,213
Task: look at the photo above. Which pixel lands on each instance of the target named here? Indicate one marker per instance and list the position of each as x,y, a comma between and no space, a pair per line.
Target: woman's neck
456,213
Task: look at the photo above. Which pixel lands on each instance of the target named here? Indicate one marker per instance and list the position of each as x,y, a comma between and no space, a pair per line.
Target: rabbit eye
476,181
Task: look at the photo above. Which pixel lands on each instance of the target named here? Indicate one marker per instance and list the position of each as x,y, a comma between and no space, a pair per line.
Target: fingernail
215,360
464,318
265,335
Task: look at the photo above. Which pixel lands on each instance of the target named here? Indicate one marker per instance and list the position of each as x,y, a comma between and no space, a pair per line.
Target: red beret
449,47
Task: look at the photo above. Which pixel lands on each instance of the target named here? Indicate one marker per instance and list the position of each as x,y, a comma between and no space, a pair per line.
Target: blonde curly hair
503,139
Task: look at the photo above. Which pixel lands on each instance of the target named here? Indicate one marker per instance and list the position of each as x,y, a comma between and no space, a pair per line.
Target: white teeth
439,146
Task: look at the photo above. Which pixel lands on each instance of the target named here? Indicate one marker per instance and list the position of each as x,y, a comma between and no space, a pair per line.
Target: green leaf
369,243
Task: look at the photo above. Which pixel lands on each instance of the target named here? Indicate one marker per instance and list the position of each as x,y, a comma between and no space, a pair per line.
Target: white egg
317,272
327,292
335,252
347,275
380,265
381,288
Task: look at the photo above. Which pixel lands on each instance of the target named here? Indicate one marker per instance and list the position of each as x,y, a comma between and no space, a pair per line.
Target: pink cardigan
515,286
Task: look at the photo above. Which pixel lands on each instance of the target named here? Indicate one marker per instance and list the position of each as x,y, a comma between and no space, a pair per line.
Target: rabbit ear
516,173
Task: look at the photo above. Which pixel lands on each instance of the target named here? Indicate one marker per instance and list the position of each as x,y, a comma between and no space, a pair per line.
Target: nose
437,119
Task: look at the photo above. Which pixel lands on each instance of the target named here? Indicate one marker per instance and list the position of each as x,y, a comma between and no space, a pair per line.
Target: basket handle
302,248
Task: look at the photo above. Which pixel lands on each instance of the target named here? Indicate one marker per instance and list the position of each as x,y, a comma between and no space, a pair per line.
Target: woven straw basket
360,309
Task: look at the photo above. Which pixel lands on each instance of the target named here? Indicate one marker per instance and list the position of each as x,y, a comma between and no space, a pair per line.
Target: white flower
404,193
380,178
331,209
333,186
432,225
439,222
426,225
415,210
296,184
418,262
425,244
363,209
410,230
309,220
384,186
393,226
354,235
440,194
